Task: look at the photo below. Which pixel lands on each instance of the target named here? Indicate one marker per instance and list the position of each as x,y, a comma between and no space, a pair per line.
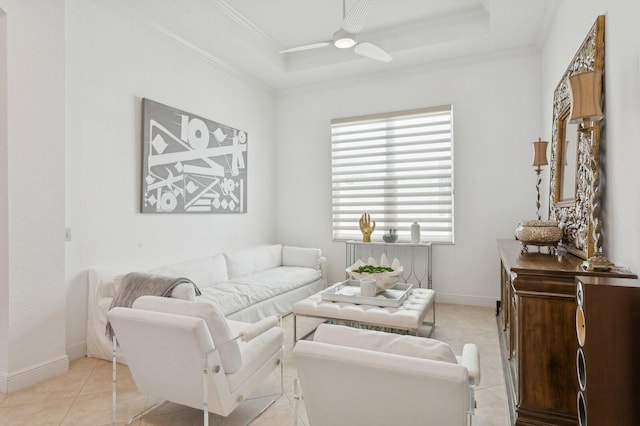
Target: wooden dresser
537,330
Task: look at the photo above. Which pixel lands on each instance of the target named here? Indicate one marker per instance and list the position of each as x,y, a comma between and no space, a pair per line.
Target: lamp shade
586,89
540,153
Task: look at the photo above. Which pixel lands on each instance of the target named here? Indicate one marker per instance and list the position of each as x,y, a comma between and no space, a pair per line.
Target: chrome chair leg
297,395
114,380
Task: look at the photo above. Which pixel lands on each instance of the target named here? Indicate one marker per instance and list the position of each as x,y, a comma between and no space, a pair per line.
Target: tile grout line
75,399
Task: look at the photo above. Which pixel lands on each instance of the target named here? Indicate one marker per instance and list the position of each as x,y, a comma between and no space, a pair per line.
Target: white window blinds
398,167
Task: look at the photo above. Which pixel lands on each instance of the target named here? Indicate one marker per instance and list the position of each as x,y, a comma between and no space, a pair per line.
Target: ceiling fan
345,38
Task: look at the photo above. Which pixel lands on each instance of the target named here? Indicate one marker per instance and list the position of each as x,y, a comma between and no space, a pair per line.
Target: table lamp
539,160
539,232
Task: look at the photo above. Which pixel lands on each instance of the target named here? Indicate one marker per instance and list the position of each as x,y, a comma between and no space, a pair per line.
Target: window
398,167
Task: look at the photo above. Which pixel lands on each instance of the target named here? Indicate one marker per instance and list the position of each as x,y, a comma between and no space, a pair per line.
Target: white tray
349,291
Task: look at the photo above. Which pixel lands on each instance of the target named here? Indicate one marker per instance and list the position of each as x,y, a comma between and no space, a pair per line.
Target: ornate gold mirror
574,167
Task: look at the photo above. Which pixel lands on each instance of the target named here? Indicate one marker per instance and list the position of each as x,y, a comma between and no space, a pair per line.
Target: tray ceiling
244,36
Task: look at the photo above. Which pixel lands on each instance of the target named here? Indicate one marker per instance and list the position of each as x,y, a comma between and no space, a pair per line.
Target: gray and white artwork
191,164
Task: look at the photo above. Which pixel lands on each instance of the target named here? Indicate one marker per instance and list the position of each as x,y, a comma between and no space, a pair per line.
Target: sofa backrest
301,256
203,272
213,269
256,259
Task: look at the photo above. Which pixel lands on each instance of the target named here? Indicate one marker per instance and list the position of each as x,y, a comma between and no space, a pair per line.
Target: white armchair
362,377
188,353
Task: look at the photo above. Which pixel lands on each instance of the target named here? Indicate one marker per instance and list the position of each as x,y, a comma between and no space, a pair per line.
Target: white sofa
246,286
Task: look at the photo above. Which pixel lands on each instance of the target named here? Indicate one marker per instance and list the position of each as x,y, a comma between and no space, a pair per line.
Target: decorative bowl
390,238
538,233
384,280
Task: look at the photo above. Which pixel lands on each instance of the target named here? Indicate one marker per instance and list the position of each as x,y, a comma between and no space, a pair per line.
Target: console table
537,332
419,251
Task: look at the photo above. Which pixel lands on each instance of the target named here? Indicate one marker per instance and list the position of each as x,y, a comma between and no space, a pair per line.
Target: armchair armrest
471,359
254,330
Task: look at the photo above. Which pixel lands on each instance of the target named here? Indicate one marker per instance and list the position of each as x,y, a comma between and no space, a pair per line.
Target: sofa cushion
238,293
203,272
229,351
413,346
260,258
298,256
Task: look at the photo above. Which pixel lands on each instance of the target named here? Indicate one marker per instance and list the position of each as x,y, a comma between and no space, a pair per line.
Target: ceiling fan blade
371,51
306,47
355,19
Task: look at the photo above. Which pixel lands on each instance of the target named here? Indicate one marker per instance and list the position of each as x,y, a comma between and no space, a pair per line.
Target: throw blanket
136,284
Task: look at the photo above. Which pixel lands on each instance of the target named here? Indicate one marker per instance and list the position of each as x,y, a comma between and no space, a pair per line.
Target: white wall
114,60
621,200
32,306
4,204
497,114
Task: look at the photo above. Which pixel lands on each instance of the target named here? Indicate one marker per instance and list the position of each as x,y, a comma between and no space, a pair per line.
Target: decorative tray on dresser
537,331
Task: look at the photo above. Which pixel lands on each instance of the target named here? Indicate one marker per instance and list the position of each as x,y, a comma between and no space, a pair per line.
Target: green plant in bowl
384,275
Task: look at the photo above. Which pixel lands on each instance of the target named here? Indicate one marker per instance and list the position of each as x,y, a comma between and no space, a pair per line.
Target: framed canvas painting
191,164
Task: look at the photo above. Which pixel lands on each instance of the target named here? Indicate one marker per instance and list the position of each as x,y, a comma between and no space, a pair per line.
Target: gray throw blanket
136,284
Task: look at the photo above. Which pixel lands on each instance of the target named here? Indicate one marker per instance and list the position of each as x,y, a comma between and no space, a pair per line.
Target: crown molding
181,42
244,23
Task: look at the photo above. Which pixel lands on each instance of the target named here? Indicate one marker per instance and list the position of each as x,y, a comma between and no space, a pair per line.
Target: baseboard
79,350
459,299
30,376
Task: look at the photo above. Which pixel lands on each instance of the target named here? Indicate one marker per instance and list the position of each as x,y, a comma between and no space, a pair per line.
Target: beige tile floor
83,395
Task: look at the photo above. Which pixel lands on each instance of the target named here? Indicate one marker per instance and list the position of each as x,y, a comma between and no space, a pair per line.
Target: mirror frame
576,216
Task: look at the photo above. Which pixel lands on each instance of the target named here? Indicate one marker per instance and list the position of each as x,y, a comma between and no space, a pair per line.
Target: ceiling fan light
344,43
343,40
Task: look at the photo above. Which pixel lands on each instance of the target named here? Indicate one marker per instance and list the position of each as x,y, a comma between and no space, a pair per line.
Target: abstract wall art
191,164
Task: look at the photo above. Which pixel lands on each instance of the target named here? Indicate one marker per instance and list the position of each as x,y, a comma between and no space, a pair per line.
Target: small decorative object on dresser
367,226
391,236
539,233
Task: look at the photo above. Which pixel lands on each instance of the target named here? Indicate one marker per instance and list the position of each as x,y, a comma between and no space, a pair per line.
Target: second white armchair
361,377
